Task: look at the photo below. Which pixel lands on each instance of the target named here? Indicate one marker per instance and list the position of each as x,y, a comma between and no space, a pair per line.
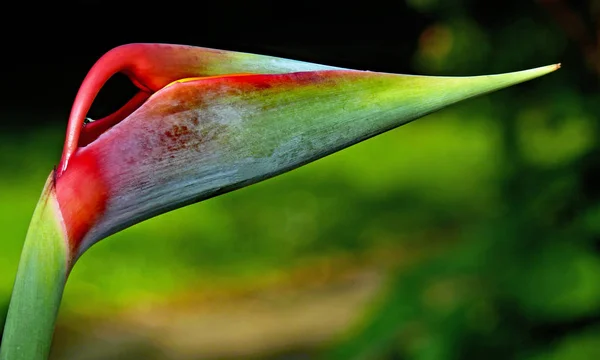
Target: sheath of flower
204,122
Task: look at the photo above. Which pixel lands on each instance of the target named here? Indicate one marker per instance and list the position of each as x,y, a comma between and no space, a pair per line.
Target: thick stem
39,284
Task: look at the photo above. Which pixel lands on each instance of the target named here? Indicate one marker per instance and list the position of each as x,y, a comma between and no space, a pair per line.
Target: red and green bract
208,121
204,122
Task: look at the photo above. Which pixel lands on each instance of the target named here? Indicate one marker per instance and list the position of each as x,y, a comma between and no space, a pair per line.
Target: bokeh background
471,233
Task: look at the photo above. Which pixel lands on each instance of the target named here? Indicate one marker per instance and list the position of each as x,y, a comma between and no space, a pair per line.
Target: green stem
39,284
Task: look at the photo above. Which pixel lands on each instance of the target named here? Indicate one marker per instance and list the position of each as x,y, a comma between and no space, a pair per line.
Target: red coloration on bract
178,138
91,131
239,84
81,190
149,66
82,195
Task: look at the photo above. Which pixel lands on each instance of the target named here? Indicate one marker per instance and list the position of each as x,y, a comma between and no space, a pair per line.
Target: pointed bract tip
549,68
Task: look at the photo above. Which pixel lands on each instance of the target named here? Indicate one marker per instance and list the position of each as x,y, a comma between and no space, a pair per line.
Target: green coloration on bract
314,121
39,284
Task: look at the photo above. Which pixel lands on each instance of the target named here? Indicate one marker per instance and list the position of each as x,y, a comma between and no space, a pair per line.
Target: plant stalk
39,284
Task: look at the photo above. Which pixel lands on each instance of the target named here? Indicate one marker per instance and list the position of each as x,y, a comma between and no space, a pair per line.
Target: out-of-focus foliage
498,196
522,281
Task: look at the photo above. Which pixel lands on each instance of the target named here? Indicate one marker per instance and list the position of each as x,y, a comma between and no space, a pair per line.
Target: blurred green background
471,233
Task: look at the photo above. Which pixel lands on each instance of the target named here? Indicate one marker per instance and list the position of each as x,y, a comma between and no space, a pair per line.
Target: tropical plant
205,122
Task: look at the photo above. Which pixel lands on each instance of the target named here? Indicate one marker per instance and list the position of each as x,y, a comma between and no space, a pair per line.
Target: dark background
471,234
48,48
